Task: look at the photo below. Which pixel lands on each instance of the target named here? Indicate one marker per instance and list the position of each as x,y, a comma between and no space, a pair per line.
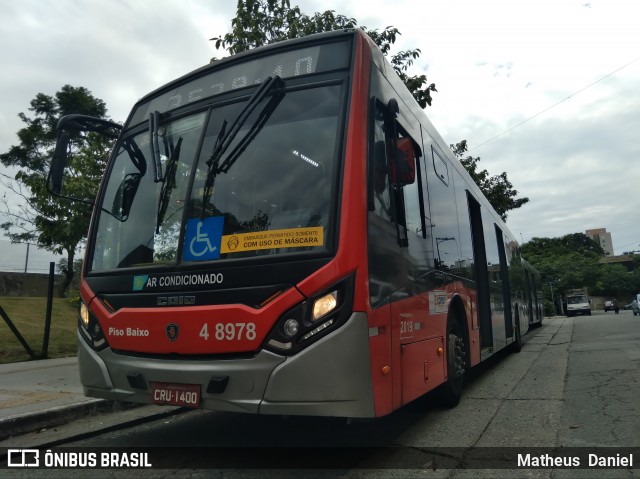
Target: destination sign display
286,64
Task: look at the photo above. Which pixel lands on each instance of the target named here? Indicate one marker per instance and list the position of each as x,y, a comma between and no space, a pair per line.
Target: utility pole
26,261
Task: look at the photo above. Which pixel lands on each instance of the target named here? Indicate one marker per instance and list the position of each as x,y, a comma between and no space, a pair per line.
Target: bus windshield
269,193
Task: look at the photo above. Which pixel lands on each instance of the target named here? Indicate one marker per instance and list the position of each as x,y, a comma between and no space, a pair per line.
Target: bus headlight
84,315
324,305
312,319
90,329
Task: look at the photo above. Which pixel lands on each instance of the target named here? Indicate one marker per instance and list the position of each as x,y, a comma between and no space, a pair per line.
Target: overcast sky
546,90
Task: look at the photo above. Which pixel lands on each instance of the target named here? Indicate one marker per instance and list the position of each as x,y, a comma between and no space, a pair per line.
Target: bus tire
450,392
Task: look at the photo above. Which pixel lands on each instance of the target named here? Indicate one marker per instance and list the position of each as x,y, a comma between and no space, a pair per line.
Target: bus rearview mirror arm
59,161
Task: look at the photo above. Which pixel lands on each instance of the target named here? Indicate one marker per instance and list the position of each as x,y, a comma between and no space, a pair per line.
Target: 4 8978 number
229,331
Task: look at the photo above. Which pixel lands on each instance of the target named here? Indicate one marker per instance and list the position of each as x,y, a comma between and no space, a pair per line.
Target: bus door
506,288
537,316
495,267
482,273
528,296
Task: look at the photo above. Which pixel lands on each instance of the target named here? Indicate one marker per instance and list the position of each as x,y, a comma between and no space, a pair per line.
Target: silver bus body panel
332,377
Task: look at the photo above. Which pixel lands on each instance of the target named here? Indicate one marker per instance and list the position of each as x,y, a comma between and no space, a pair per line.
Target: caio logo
175,300
172,330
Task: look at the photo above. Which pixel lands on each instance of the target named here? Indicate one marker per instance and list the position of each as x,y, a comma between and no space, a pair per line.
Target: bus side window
381,200
393,166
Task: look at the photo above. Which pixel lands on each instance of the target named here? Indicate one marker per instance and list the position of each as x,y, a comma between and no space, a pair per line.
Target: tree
260,22
614,281
553,247
498,189
56,224
573,261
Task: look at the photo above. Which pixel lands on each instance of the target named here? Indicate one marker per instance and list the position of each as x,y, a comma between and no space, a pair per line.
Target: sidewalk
47,393
40,394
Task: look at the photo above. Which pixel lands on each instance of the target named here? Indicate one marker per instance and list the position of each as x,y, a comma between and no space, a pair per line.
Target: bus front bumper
332,377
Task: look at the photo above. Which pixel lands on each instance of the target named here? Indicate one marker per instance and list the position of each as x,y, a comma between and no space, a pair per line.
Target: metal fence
25,258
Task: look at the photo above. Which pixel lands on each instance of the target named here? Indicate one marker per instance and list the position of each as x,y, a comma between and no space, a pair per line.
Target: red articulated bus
284,232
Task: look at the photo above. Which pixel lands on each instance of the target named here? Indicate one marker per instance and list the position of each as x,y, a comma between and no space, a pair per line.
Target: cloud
119,50
496,64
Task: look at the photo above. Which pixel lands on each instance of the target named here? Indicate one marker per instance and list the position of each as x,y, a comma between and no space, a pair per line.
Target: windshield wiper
226,137
135,155
168,184
154,126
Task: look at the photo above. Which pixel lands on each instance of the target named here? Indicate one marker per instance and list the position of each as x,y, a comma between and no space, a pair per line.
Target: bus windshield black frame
160,206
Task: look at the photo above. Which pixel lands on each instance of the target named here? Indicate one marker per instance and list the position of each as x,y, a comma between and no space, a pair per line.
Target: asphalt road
575,384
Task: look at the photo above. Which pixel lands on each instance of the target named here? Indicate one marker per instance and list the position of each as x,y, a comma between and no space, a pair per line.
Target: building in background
603,238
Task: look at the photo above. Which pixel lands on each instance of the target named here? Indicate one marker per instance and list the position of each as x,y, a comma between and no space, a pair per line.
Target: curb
56,416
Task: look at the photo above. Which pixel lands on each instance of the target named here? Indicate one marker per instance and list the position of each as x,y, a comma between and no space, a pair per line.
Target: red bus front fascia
130,326
219,329
351,258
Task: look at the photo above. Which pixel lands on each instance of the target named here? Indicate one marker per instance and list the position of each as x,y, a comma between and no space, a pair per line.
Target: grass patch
28,315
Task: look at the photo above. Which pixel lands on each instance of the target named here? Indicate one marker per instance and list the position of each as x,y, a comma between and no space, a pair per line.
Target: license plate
176,394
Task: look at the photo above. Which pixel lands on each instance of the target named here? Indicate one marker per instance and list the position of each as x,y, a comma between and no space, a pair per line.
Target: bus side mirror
124,196
403,164
59,162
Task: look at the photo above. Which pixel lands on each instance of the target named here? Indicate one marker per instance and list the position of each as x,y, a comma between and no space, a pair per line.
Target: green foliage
615,281
498,189
261,22
56,224
576,242
549,309
573,262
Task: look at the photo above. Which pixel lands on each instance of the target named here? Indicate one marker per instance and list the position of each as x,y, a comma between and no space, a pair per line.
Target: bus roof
239,57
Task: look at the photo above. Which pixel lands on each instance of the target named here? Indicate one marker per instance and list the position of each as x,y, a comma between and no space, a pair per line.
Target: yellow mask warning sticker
287,238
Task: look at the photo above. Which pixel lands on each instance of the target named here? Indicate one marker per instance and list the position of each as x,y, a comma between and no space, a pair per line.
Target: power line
629,244
554,105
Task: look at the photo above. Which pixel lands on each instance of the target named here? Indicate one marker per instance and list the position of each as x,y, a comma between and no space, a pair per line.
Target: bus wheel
451,391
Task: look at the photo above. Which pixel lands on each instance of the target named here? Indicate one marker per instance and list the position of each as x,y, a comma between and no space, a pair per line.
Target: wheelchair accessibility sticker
202,239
